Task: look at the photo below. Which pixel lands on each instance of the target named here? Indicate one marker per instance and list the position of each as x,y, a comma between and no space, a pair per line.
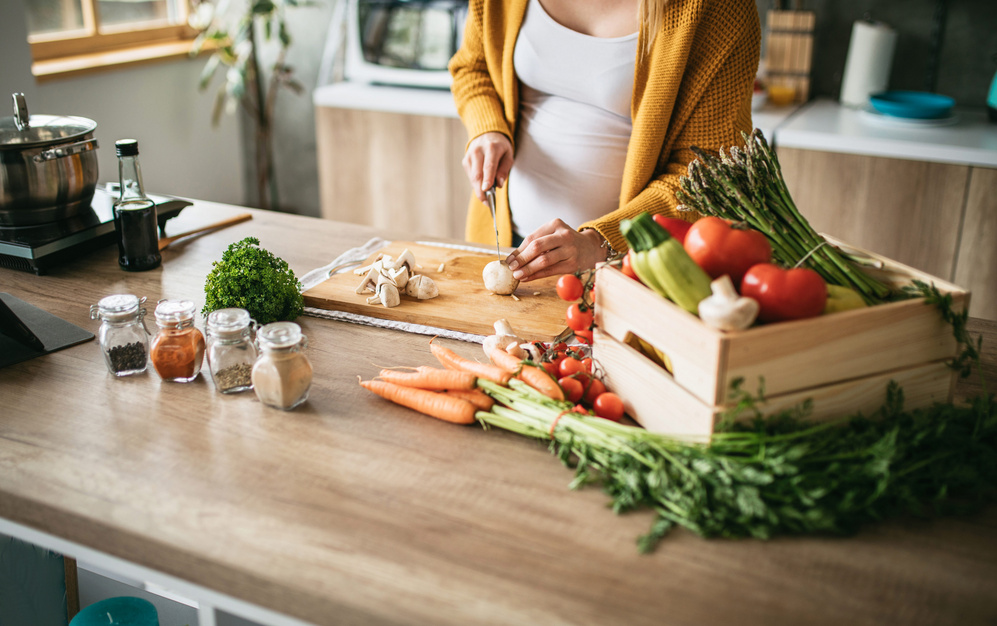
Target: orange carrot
533,376
433,378
451,360
477,397
439,405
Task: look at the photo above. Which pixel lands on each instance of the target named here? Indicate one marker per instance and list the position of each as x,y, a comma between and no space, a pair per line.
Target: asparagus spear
747,185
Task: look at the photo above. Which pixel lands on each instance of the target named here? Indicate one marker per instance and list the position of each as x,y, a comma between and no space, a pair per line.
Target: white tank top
574,122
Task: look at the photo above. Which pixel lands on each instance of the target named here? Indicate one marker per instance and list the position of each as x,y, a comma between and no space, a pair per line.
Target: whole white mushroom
498,278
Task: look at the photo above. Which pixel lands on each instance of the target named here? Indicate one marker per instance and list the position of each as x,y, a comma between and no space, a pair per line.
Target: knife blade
490,196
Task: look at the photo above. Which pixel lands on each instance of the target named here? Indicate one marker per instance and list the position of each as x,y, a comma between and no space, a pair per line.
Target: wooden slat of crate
790,356
653,398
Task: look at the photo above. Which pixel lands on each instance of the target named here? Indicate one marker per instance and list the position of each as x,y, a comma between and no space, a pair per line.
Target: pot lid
27,131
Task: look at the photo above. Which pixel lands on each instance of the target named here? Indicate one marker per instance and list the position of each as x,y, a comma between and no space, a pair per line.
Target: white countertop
827,125
386,99
439,102
818,125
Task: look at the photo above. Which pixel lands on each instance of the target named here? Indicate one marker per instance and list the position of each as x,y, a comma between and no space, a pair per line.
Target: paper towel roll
867,67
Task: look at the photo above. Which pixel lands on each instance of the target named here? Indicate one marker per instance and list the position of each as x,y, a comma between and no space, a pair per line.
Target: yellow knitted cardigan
692,89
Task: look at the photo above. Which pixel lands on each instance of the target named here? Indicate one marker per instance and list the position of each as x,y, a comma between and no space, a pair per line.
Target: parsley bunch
252,278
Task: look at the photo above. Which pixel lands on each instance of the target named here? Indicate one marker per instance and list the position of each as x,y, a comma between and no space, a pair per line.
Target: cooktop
41,247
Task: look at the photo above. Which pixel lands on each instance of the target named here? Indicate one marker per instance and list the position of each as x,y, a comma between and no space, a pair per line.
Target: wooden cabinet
393,171
936,217
976,265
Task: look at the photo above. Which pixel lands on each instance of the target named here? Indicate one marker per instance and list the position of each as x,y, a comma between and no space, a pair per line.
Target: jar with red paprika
178,348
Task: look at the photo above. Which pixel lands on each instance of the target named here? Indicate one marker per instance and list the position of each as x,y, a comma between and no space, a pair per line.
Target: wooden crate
842,361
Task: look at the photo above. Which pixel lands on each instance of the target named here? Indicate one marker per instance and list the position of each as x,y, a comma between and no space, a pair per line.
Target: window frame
94,47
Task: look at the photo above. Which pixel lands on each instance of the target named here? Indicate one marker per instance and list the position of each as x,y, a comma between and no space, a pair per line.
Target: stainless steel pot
48,166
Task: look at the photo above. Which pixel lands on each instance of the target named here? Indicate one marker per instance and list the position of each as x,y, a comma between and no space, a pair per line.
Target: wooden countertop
350,510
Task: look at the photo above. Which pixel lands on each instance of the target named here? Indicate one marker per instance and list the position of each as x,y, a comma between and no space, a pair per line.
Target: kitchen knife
490,196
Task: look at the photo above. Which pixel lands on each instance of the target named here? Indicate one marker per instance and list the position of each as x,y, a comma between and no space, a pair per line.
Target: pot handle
21,117
65,151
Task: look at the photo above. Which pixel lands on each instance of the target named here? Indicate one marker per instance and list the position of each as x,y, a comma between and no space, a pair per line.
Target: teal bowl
912,104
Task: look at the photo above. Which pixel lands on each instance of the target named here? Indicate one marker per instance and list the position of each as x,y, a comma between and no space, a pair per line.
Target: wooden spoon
242,217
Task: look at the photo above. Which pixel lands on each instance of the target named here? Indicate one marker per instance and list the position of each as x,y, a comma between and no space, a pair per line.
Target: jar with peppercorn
282,374
178,347
123,337
230,350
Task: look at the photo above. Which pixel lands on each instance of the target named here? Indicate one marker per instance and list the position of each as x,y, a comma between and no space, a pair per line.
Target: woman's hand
556,248
487,162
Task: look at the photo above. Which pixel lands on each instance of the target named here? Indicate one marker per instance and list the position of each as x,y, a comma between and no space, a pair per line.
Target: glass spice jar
178,347
230,350
282,375
123,337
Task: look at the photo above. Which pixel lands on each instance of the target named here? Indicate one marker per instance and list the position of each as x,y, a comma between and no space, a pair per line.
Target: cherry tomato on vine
569,287
577,318
570,365
584,336
594,389
573,388
587,362
609,405
559,347
550,367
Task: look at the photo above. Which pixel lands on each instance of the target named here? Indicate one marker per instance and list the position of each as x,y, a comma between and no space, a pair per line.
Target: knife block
789,52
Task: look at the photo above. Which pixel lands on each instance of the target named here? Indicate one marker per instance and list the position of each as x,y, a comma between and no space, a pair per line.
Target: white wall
158,104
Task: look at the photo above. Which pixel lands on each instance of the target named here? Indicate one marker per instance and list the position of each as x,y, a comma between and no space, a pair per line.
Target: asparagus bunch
746,185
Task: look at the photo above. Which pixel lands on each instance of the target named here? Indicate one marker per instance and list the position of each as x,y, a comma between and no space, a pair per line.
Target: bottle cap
126,147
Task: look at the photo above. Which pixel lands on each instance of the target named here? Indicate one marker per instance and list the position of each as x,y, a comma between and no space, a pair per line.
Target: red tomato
573,388
608,405
559,347
578,319
720,249
628,266
587,362
584,336
676,227
785,294
569,366
594,389
569,287
551,368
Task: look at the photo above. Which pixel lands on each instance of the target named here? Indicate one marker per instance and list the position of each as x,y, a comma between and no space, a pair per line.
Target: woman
587,108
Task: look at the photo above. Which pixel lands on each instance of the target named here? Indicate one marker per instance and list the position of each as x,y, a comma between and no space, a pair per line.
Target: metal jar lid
24,131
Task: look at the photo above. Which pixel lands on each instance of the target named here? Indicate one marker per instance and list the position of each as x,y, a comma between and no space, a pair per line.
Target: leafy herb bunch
253,278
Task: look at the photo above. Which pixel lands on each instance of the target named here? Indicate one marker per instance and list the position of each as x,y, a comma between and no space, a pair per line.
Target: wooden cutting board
463,305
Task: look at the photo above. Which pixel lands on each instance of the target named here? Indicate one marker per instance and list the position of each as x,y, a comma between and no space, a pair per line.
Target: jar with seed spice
123,337
178,347
282,375
230,351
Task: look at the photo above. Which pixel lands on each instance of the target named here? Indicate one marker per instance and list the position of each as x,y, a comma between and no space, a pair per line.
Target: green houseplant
235,31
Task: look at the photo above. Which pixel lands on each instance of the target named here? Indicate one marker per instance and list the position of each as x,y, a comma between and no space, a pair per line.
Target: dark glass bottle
134,214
